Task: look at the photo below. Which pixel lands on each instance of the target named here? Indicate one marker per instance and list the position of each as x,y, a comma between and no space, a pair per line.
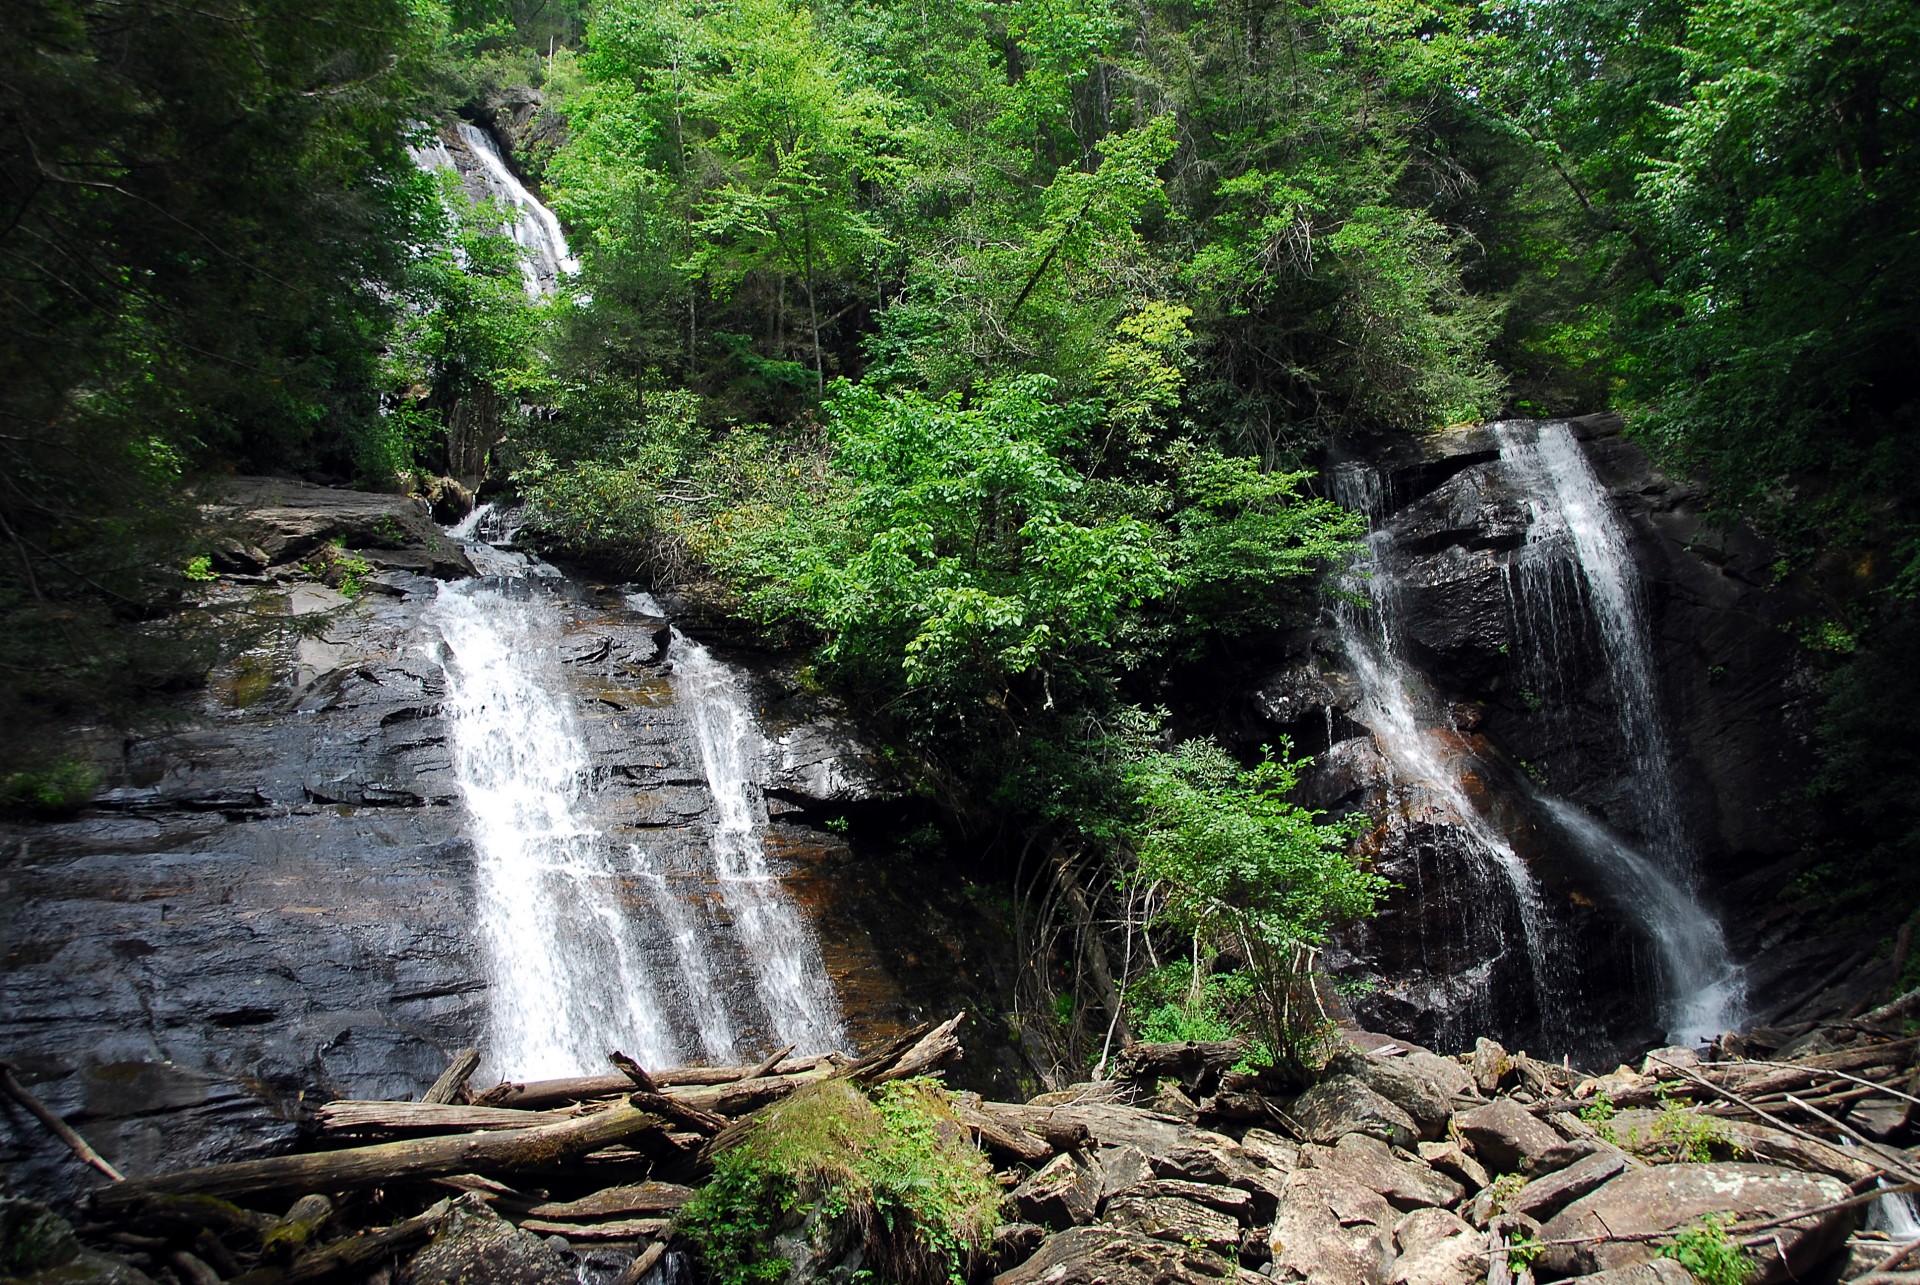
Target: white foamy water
1578,566
788,973
564,957
545,257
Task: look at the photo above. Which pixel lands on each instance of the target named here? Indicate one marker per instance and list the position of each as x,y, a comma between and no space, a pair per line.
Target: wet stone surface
272,902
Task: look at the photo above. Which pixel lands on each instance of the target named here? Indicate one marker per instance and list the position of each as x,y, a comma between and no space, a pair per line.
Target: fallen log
637,1270
353,1253
1006,1140
921,1057
55,1125
624,1229
388,1161
584,1088
350,1116
635,1198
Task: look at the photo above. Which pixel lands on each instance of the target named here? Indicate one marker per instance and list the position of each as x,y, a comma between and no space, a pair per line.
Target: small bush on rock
832,1179
1705,1249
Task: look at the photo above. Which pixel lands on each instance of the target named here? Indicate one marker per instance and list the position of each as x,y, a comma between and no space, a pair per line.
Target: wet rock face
272,901
1445,959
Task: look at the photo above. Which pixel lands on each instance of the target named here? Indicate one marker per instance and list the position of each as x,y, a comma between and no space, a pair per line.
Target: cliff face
1518,694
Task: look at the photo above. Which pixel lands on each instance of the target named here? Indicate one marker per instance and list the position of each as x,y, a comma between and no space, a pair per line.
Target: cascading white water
693,957
545,256
1387,708
788,972
1577,566
1574,523
1700,988
565,960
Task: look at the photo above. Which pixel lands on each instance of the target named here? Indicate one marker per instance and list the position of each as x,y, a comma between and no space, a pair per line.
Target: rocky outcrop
276,521
271,900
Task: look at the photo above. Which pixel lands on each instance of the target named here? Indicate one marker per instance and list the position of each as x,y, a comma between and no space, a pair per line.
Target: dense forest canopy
986,347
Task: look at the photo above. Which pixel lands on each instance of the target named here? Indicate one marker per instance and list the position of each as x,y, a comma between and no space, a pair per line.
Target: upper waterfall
545,258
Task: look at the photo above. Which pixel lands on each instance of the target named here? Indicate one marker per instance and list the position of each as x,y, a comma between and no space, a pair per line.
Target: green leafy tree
1238,868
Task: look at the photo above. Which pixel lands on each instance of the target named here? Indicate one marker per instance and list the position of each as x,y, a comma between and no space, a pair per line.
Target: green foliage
893,1175
1237,865
1165,1006
1708,1253
58,790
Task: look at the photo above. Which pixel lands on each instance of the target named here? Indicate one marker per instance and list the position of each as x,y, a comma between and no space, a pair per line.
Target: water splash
788,972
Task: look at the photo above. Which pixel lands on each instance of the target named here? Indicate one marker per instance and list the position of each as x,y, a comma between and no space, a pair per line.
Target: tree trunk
390,1161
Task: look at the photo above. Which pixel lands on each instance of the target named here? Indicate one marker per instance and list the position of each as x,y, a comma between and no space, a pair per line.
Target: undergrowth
888,1184
1705,1250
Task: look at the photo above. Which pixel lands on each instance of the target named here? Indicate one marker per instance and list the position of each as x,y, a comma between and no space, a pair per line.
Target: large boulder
1421,1083
287,520
1668,1197
1062,1194
1170,1217
1109,1256
1405,1184
1330,1230
1505,1135
1342,1104
1546,1196
476,1244
1655,1271
1436,1248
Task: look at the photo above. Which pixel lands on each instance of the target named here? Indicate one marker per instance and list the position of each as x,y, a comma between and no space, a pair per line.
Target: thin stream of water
788,971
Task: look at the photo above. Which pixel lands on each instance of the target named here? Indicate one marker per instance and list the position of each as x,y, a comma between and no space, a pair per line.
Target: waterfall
1409,726
787,969
1577,567
545,257
591,944
564,957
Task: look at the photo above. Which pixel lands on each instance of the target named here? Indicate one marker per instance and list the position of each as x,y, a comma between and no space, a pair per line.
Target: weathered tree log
633,1071
637,1270
921,1057
621,1229
585,1088
1057,1130
453,1081
1185,1060
1004,1140
388,1161
635,1198
349,1116
192,1269
55,1125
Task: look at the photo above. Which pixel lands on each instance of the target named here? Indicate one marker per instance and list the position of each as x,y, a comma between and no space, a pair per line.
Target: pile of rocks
1403,1167
1399,1166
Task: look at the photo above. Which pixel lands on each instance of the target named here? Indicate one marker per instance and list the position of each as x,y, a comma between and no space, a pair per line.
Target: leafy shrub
893,1175
1245,870
1705,1250
1165,1006
60,789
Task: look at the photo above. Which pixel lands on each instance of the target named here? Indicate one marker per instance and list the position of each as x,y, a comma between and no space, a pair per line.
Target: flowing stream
1576,586
591,943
